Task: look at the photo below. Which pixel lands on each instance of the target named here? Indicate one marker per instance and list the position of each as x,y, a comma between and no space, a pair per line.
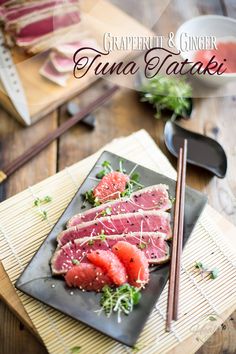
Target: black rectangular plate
37,280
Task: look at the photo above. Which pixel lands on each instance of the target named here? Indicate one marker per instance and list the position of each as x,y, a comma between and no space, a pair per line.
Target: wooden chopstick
43,143
170,301
174,281
180,233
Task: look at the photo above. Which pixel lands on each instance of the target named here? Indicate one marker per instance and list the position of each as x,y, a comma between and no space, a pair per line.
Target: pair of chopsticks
177,245
43,143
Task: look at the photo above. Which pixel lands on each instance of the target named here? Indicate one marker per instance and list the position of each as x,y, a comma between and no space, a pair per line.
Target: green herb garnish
142,245
101,174
89,197
199,265
44,214
91,242
75,350
168,93
212,318
39,201
75,261
132,185
106,212
135,177
204,270
102,236
172,200
107,165
120,300
121,168
214,273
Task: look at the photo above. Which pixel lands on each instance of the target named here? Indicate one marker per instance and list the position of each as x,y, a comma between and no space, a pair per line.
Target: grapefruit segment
111,186
135,262
111,264
86,276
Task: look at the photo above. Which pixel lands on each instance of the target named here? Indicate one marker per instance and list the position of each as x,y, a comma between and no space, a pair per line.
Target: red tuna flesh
147,221
86,276
48,25
153,245
49,72
24,10
111,264
135,262
111,186
150,198
68,49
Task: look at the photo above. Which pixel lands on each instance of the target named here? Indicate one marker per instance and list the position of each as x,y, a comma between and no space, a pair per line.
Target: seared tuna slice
148,221
153,245
150,198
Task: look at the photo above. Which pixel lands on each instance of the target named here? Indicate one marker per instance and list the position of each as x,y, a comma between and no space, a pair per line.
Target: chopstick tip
168,327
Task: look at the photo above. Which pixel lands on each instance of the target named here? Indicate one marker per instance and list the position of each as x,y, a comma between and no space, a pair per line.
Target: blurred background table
123,115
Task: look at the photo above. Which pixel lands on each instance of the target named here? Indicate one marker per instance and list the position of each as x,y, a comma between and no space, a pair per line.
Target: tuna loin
150,198
153,245
148,221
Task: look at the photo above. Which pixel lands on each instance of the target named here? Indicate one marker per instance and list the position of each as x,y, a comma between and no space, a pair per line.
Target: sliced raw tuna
21,11
146,221
111,264
49,24
68,49
38,25
61,63
153,245
64,64
49,72
111,186
86,276
135,262
150,198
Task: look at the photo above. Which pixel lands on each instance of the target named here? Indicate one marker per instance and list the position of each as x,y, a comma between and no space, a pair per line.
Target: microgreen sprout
75,350
106,212
38,201
119,300
205,270
91,242
43,213
168,93
75,261
89,197
107,166
102,236
142,245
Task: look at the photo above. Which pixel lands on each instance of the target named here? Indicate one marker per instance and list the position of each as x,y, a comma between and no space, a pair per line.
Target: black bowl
202,150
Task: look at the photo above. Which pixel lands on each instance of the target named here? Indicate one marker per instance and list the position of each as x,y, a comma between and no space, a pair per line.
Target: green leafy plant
167,93
120,300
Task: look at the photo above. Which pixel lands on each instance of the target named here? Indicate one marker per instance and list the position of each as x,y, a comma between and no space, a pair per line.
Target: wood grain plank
112,120
14,338
121,117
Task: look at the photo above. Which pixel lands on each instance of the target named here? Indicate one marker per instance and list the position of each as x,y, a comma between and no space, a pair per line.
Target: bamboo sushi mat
22,231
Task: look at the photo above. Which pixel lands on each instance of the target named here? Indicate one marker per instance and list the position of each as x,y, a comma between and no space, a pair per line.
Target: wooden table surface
122,116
